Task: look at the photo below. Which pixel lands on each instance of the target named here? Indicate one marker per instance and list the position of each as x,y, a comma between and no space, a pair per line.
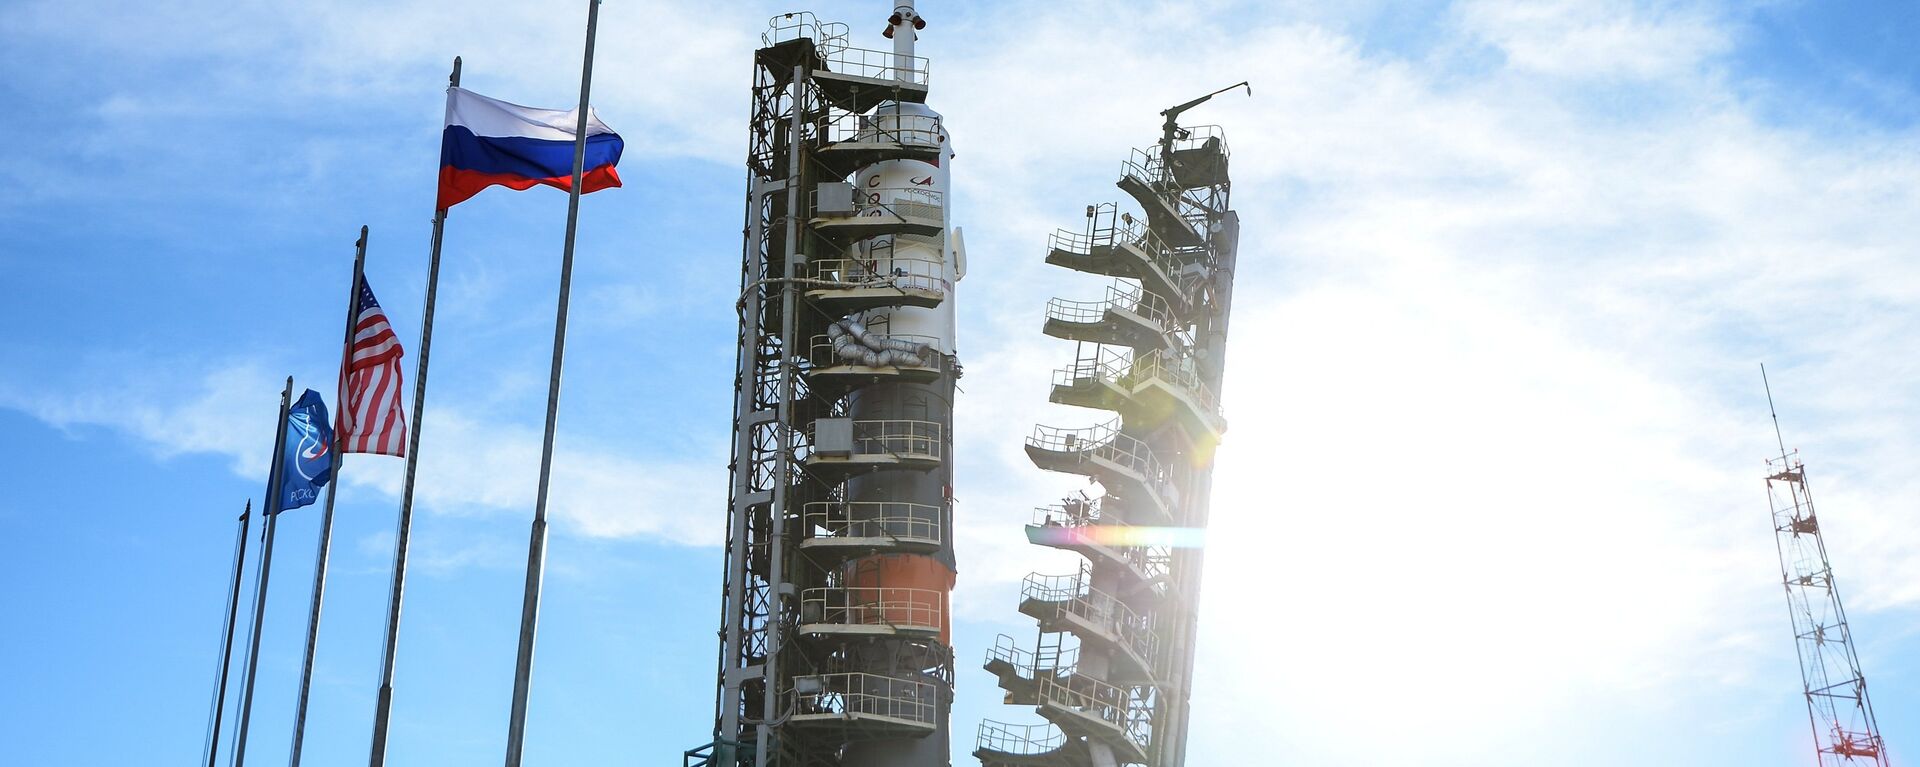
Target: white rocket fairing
914,182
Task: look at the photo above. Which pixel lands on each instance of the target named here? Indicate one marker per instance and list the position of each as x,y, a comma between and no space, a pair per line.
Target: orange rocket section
909,586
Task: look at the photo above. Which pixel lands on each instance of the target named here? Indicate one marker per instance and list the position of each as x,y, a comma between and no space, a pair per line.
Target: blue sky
1492,494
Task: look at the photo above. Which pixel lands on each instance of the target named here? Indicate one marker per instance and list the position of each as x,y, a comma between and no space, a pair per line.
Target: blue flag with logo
308,462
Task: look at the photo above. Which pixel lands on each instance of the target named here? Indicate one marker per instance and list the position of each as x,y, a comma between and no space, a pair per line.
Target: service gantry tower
834,630
1844,731
1111,669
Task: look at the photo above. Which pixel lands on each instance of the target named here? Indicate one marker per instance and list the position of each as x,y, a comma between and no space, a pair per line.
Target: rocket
836,634
921,574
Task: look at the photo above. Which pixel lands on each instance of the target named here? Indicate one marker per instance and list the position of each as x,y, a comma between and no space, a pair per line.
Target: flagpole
537,539
271,508
326,517
383,708
226,647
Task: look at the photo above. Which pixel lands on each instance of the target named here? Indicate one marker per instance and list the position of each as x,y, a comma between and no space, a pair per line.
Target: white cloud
474,466
222,412
1586,38
444,556
470,463
678,94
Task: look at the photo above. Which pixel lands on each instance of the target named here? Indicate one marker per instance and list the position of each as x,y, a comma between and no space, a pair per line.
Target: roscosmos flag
309,457
489,141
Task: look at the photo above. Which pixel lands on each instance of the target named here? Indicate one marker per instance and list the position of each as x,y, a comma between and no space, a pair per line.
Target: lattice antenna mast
1773,413
1838,710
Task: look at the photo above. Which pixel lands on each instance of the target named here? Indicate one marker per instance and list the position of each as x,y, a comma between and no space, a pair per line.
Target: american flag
371,420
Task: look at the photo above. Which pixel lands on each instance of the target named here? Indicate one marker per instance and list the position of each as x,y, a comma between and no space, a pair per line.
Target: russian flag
489,141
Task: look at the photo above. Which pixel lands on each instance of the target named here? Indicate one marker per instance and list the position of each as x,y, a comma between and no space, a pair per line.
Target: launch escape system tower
835,638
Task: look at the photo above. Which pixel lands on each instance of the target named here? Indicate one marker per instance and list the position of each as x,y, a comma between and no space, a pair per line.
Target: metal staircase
1109,672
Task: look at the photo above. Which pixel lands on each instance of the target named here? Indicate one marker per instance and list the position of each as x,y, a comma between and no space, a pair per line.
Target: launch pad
836,626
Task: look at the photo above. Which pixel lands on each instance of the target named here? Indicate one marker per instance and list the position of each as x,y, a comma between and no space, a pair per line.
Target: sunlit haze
1492,492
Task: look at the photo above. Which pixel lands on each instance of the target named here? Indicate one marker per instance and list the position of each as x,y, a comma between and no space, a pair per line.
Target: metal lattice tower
1110,670
1838,710
835,634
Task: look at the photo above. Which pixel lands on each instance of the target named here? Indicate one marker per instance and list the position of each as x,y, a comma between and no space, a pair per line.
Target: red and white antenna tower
1844,731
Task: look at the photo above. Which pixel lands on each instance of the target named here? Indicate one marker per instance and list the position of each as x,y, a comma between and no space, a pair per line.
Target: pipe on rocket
853,343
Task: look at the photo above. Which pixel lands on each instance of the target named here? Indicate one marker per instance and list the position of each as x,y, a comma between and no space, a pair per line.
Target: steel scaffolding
1111,670
821,653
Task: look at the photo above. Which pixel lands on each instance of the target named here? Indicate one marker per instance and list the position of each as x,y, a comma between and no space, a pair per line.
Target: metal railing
898,127
1074,513
898,520
1157,364
1146,167
1129,711
826,35
895,606
1018,739
1121,368
1108,443
1121,297
876,65
1199,135
895,437
1195,206
1056,588
1108,227
900,202
1029,665
901,273
1078,312
1105,363
1152,561
1076,597
852,694
820,350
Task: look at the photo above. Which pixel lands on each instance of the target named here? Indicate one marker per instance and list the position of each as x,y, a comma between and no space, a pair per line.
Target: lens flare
1118,535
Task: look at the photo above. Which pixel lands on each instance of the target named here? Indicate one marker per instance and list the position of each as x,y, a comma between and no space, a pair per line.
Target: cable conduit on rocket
852,342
